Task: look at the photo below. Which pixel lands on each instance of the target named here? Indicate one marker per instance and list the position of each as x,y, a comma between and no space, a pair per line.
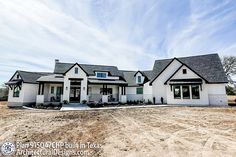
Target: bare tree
229,65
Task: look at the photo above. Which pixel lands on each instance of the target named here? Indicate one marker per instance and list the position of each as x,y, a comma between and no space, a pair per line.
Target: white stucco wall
71,74
30,92
158,87
217,94
147,92
131,94
27,94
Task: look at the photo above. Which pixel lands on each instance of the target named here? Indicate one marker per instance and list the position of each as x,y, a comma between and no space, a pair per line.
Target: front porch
76,91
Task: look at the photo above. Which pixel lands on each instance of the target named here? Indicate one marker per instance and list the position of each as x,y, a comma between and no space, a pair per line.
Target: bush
4,98
65,102
149,101
84,101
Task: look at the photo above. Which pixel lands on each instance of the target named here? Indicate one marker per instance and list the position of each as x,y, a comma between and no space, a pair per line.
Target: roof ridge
86,64
33,72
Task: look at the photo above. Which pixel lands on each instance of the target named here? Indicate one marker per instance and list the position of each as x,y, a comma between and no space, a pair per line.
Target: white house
195,80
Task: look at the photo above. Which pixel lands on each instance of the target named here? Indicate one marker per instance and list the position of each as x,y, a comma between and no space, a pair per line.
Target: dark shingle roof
130,78
61,68
31,77
208,66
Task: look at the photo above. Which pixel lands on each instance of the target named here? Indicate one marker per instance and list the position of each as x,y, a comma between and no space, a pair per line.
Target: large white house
195,80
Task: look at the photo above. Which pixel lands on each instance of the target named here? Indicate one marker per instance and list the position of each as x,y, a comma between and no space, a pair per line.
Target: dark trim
74,79
162,71
75,65
42,89
140,72
51,82
192,70
182,64
96,83
39,89
173,74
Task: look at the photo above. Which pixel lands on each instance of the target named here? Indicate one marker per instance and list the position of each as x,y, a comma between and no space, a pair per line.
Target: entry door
75,94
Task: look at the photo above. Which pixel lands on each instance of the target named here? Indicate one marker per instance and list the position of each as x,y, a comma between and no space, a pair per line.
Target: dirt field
163,131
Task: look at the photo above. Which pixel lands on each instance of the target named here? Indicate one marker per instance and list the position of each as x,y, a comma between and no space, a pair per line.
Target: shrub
65,102
84,101
149,101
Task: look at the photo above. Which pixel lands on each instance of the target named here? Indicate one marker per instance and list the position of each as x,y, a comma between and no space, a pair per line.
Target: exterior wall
131,94
30,92
202,101
147,92
71,74
217,94
27,95
190,74
158,88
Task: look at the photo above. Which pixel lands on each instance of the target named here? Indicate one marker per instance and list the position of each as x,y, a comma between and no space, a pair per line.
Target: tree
229,65
230,90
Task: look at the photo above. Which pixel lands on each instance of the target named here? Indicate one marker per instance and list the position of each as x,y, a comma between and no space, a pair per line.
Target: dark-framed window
139,90
17,76
101,75
16,91
139,79
186,92
184,71
195,92
107,91
177,92
76,70
59,91
52,90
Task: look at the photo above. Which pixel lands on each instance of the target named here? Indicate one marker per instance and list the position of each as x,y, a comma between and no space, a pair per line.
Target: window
184,71
76,70
17,76
59,91
101,75
16,92
139,90
195,92
186,92
52,90
107,91
139,79
177,93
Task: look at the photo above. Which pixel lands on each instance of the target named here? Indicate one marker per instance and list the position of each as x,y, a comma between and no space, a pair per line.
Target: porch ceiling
113,82
51,78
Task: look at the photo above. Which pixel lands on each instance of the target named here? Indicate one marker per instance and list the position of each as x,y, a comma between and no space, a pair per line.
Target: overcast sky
130,34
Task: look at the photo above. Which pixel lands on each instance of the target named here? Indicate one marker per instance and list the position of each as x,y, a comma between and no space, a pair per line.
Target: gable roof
61,68
30,77
207,66
130,78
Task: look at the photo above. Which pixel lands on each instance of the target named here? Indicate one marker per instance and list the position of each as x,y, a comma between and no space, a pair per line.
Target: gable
179,74
167,71
76,71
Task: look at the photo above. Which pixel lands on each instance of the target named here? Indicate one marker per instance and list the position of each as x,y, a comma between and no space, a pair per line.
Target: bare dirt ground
162,131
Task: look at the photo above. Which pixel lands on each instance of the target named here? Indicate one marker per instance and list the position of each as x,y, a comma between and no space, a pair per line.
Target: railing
98,97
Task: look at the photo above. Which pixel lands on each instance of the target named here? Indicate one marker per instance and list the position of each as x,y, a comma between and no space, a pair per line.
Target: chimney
56,61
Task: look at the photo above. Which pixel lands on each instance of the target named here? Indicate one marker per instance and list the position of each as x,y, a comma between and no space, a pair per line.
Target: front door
75,94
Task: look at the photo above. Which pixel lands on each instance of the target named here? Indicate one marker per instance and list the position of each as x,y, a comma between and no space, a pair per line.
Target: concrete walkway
74,106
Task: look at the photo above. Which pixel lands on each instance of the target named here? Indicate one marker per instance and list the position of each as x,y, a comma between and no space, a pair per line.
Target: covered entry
75,90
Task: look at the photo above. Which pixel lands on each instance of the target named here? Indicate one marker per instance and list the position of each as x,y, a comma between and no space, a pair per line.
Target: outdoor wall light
66,88
83,88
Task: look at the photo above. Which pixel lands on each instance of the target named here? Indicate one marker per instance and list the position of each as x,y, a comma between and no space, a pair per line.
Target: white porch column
39,99
66,90
104,98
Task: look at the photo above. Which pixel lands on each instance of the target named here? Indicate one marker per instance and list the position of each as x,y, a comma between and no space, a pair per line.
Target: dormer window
139,79
184,71
101,74
76,70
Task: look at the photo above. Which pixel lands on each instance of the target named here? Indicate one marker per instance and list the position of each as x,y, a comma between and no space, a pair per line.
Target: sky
130,34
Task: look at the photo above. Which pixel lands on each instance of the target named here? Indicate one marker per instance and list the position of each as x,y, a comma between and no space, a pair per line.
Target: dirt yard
162,131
